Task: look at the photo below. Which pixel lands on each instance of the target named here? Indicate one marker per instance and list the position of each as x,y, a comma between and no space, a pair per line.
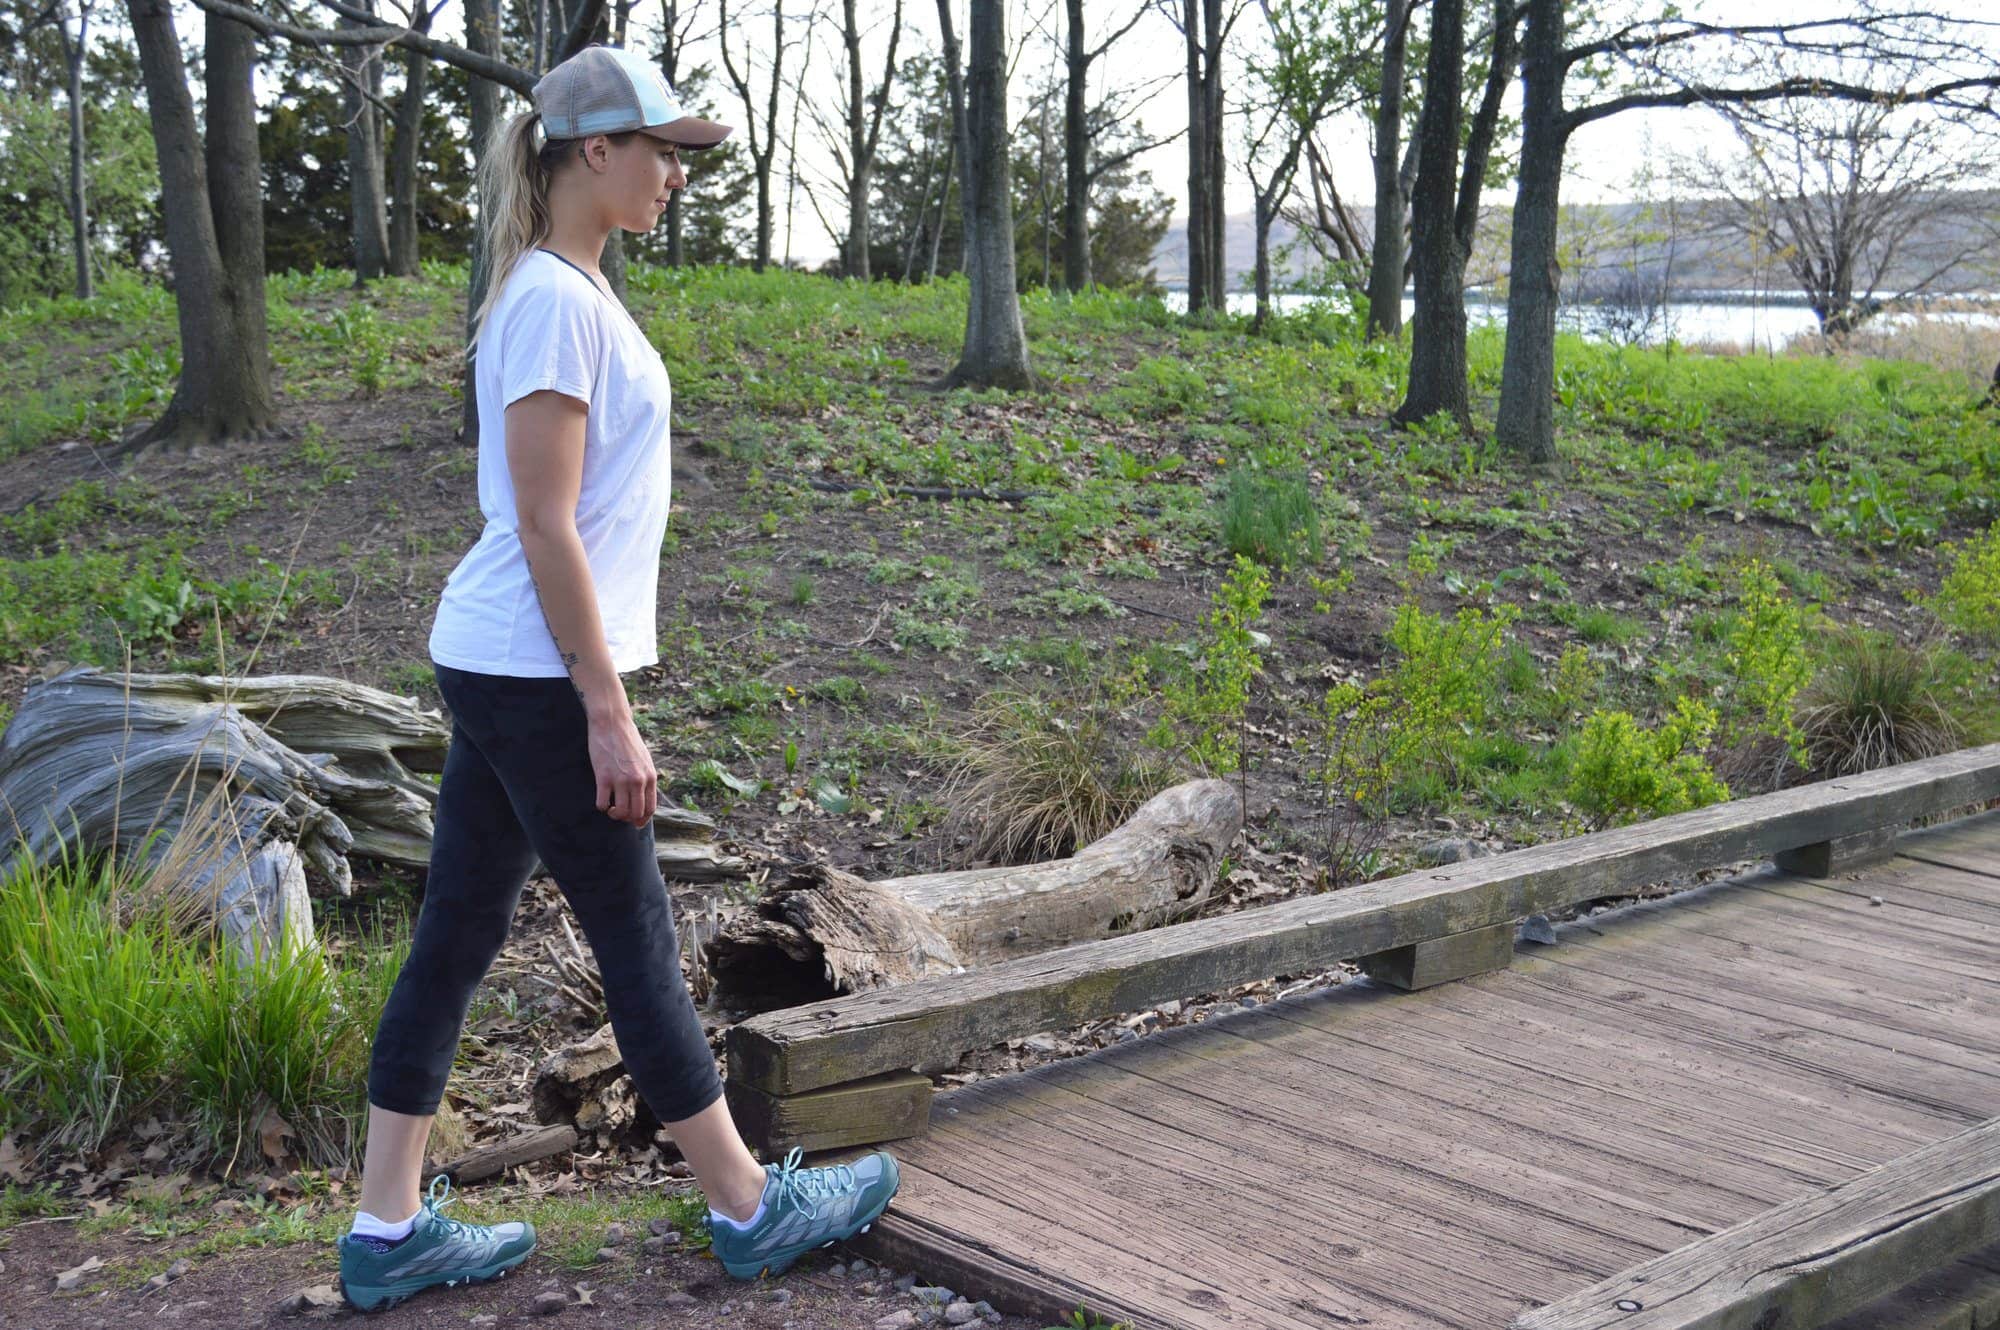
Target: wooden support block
1441,960
890,1107
1964,1295
1842,854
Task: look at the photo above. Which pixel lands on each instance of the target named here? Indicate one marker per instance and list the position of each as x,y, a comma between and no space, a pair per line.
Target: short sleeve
551,338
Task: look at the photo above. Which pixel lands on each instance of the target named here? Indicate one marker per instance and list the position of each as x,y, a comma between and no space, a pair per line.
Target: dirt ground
252,1287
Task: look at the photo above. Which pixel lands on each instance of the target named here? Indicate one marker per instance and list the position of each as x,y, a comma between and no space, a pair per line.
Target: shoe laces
806,1185
435,1202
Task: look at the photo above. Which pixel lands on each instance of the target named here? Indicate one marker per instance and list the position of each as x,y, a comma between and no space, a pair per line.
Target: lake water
1753,324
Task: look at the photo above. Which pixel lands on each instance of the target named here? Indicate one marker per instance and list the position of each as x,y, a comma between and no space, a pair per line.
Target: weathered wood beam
846,1038
1799,1265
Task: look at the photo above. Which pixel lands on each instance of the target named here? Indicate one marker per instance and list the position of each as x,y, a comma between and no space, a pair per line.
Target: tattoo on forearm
569,658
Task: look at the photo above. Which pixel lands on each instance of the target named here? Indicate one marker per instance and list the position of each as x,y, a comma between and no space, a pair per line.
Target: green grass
112,1007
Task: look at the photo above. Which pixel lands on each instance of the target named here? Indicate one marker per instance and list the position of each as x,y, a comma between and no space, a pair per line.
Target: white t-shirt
553,327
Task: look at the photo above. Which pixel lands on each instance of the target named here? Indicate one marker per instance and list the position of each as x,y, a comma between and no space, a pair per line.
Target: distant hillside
1603,243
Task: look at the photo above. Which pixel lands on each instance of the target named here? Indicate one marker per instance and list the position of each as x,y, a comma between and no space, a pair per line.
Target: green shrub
1441,685
1767,661
1620,771
1968,599
1875,701
1205,703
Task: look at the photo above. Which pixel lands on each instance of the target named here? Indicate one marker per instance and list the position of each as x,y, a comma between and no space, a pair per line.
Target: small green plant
1968,598
1205,702
1620,770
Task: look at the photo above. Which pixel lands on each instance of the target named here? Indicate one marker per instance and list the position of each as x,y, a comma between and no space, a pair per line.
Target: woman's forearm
561,574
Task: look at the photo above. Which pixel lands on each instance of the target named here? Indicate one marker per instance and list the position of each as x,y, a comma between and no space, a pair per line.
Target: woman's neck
576,237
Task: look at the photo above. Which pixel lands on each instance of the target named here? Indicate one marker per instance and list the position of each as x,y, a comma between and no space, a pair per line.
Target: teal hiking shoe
806,1208
377,1272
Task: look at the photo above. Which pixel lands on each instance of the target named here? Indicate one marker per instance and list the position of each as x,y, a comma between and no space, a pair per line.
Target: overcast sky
1604,158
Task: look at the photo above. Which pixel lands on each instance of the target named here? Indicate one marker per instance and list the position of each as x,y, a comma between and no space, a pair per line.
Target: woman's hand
628,785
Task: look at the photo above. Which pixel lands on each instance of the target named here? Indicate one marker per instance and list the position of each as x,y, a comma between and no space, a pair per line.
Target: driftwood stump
241,797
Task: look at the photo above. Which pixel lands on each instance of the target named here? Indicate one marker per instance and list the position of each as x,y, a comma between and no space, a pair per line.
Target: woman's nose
676,177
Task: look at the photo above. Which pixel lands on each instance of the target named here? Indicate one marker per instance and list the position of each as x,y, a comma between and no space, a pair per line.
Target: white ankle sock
716,1216
368,1226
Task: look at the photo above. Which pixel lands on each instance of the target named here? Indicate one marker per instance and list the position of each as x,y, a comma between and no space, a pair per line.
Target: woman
535,627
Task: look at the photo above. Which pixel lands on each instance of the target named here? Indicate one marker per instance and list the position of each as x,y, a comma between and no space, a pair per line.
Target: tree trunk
996,345
1263,267
482,36
1526,422
78,200
611,262
944,202
857,180
670,58
1076,157
826,932
1386,256
368,218
225,384
403,260
1198,203
1218,254
1437,347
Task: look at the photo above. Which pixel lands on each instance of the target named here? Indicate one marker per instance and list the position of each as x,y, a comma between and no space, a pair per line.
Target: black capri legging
518,785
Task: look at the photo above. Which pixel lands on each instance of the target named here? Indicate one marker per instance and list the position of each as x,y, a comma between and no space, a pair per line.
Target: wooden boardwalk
1458,1156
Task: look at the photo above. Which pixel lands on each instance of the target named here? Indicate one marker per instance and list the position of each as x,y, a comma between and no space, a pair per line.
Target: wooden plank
845,1038
1709,1014
1800,1264
890,1107
1441,960
1673,1131
1842,854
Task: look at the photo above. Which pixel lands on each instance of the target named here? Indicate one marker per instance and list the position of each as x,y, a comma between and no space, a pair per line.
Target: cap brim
690,132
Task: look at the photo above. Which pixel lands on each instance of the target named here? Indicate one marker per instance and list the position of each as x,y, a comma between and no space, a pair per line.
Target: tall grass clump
84,1040
1875,701
115,1004
1040,775
1270,516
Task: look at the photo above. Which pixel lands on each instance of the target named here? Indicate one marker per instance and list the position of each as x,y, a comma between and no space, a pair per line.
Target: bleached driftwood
245,794
823,932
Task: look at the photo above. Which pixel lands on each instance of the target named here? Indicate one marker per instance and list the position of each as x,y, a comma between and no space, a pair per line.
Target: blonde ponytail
514,195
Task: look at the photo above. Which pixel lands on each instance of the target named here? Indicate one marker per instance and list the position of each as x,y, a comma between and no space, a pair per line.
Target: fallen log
241,797
822,932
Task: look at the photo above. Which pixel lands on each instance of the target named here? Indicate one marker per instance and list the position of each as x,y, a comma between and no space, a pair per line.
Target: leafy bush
1968,599
1205,702
1620,771
1768,662
1875,702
